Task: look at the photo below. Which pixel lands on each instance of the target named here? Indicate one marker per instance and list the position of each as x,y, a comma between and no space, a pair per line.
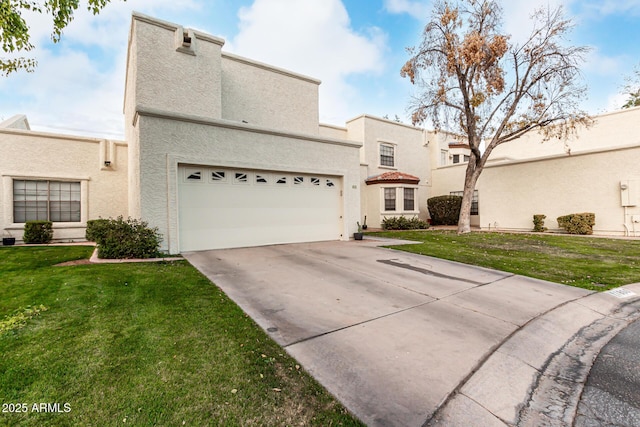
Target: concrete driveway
391,334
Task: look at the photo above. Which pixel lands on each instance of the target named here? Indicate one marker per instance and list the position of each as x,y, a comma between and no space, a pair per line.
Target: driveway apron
390,334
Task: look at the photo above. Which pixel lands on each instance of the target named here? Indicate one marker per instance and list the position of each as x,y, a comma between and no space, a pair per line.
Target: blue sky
355,47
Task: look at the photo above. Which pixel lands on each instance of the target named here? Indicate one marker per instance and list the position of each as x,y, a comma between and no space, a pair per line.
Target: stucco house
222,151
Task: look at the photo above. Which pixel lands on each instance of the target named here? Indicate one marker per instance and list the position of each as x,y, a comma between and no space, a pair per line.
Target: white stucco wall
43,156
165,75
167,141
263,95
411,156
19,121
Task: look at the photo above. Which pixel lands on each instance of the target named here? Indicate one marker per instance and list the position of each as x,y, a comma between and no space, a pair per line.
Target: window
56,201
409,199
241,178
474,201
298,180
282,180
194,176
315,181
444,154
387,155
261,179
389,199
218,176
457,158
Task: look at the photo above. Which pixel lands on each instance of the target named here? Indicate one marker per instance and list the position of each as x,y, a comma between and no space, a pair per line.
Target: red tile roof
392,178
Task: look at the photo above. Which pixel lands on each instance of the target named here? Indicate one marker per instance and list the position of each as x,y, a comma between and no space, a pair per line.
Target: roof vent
186,40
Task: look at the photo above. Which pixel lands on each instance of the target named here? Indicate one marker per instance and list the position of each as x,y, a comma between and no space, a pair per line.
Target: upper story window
55,201
387,155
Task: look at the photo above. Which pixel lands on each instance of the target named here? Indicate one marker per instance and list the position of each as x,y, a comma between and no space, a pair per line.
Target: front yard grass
140,344
586,262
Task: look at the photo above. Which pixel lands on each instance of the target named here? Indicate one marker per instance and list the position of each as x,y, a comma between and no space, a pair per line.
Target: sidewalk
536,376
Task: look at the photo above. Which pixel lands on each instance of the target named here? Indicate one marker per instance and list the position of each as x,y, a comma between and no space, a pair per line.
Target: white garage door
228,208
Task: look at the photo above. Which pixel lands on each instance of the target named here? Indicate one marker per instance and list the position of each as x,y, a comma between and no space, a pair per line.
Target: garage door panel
230,213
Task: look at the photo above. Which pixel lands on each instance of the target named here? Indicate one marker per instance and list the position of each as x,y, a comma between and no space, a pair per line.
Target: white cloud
315,38
78,84
418,9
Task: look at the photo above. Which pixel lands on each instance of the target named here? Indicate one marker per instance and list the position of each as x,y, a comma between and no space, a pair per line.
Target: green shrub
580,223
444,210
538,223
38,232
130,238
96,229
402,223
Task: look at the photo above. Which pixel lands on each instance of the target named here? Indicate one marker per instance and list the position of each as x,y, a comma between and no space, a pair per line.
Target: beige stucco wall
610,130
411,157
43,156
510,194
332,131
167,141
262,95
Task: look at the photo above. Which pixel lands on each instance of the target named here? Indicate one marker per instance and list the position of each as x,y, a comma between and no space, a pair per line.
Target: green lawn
140,344
585,262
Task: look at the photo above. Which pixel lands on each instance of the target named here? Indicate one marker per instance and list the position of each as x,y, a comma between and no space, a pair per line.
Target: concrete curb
95,260
536,376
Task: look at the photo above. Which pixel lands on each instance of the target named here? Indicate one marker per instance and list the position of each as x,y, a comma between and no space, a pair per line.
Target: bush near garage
38,232
579,223
123,239
444,210
402,223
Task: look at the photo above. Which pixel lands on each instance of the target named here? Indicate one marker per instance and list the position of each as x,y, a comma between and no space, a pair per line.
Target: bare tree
632,89
476,82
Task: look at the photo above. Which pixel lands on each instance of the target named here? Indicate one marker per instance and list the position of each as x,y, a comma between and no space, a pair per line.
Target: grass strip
586,262
142,344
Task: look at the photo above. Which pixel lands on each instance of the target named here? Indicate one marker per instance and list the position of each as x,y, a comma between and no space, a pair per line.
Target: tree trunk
470,179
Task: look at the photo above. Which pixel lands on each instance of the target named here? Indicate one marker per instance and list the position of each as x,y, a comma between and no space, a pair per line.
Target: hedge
402,223
444,210
38,232
119,238
538,223
579,223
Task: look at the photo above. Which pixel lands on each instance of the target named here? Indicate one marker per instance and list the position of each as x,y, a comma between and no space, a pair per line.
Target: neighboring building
595,171
222,151
66,179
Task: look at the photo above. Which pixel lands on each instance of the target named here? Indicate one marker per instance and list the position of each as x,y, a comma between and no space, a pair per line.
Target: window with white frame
474,201
389,199
55,201
444,156
387,155
409,199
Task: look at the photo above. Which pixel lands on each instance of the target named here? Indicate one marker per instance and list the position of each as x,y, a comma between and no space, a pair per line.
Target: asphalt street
611,396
